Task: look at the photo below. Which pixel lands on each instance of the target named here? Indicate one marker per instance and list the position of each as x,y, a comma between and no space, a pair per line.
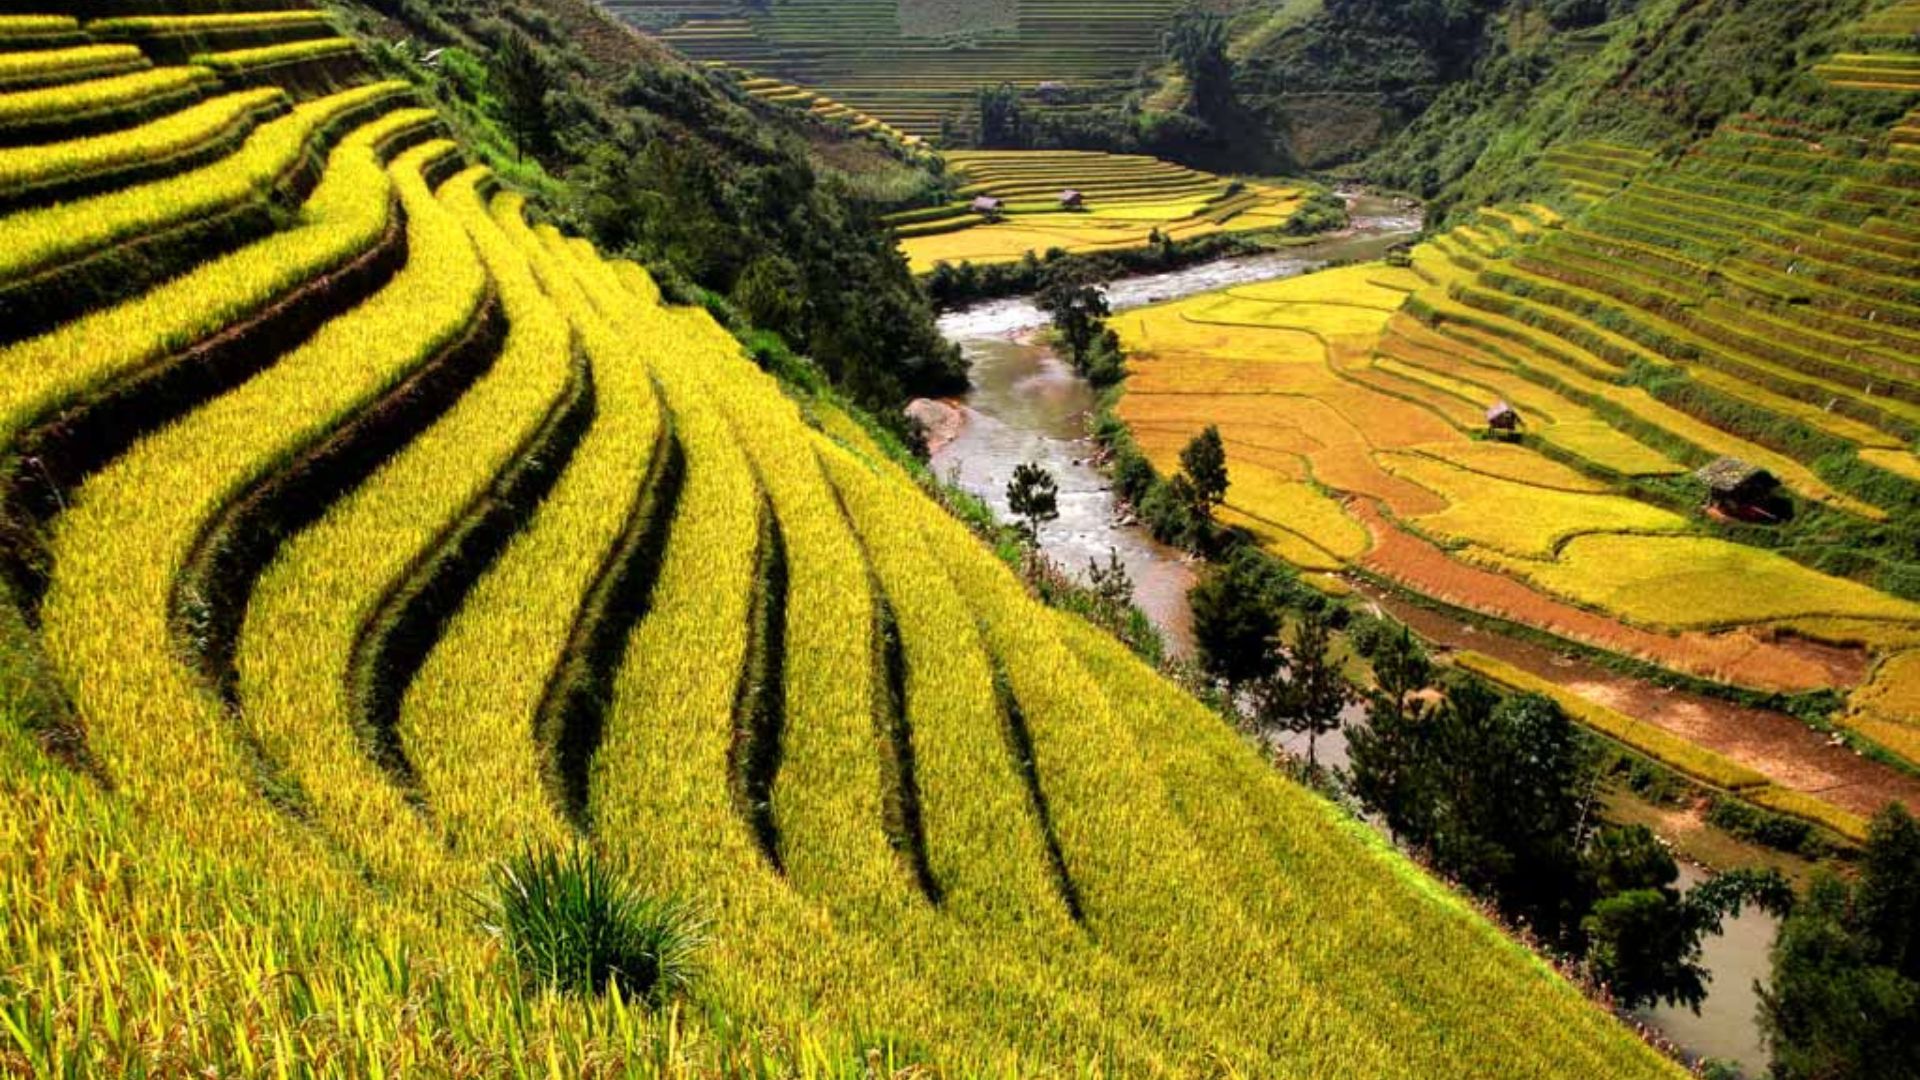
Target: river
1026,404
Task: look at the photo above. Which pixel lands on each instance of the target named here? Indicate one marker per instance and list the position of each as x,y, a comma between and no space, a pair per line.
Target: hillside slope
364,532
1667,412
762,207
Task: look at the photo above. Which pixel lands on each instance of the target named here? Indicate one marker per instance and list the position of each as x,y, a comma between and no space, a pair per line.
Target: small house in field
1072,200
988,205
1743,491
1052,91
1502,419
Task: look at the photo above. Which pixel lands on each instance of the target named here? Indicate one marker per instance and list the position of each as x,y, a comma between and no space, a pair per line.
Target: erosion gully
1026,404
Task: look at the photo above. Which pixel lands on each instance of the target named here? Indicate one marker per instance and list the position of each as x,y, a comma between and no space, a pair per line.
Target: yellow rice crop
347,212
1801,805
238,60
1518,518
1696,582
82,98
826,800
1607,446
30,25
37,239
167,24
159,732
37,65
1253,819
309,607
33,166
467,719
1509,462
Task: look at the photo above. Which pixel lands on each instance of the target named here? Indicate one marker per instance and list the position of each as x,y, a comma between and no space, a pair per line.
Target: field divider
571,719
209,600
902,811
69,439
1019,736
759,698
408,622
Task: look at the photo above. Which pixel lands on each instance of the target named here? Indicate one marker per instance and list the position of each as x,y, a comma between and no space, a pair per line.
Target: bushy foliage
1498,792
1845,994
672,166
571,923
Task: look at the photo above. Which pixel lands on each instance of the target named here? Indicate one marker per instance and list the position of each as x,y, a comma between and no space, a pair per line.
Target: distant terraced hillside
1125,199
1754,297
864,52
360,533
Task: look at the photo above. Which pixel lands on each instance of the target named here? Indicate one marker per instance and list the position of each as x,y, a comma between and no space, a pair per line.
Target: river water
1026,404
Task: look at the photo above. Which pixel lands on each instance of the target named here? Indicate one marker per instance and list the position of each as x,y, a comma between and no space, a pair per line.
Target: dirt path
1774,743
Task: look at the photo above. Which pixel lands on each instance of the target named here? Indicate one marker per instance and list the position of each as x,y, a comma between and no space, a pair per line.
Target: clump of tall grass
571,922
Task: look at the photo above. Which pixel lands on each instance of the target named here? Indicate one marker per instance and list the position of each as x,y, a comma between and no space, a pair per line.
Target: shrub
1759,826
572,923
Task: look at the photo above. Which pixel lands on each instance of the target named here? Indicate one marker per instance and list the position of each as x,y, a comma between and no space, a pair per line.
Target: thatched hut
1742,490
988,205
1502,419
1071,199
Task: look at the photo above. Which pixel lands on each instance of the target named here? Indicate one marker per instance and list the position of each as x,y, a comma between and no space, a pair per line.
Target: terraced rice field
1126,199
360,533
1774,268
819,106
913,63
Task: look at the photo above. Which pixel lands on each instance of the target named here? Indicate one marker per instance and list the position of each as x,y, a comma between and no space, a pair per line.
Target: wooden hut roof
1729,475
986,203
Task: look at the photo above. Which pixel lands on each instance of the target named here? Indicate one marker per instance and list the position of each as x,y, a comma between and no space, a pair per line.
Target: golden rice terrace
361,532
1667,412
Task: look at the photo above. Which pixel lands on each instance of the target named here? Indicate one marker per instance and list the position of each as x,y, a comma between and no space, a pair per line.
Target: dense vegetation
765,210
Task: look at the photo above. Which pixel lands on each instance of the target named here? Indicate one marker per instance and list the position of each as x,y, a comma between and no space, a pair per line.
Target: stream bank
1027,404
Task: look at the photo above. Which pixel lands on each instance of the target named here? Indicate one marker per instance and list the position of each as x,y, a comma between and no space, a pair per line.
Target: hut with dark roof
1502,419
1071,199
1742,490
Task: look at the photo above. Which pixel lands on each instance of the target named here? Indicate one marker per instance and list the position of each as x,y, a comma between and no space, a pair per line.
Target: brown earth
1739,657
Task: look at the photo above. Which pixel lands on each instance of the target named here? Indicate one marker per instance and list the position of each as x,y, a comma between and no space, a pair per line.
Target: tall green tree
521,81
1844,1000
1203,462
1308,691
1072,293
1235,618
1197,42
1645,938
1002,121
1499,794
1034,497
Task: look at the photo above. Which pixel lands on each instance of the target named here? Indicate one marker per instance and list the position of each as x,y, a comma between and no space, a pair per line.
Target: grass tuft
571,922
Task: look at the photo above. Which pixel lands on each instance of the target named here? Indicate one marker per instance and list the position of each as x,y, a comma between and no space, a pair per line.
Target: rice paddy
1016,202
918,64
378,534
1771,271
